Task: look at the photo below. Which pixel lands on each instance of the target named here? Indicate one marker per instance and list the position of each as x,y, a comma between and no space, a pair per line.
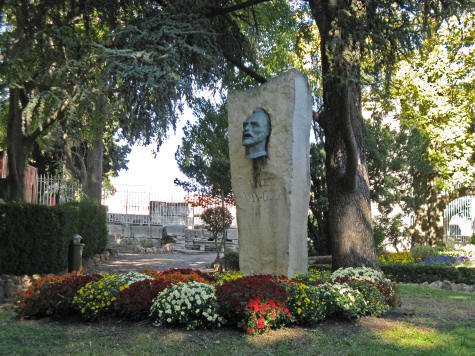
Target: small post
75,253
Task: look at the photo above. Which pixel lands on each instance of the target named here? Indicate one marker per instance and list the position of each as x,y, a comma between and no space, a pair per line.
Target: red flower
260,323
250,330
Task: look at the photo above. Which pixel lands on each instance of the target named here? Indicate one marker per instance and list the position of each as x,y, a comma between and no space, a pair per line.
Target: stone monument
269,128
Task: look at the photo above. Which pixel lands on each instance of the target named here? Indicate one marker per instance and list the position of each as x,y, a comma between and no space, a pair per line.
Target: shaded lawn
430,322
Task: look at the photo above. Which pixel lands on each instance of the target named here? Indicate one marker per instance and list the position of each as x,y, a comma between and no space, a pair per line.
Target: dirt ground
129,261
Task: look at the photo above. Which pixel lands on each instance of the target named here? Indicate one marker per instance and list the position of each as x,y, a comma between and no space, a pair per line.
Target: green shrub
320,267
418,273
472,239
376,303
306,304
341,300
96,299
192,305
421,252
231,261
89,220
33,239
313,277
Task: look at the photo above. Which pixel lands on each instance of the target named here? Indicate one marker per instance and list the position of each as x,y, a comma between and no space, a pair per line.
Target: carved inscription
263,195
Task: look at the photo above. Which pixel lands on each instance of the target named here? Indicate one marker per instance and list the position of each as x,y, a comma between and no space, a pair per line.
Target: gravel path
128,261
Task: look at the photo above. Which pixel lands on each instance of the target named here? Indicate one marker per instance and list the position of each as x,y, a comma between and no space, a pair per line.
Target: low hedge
89,220
35,238
419,273
32,239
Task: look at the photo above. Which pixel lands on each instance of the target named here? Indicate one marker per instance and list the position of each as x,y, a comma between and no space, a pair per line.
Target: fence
459,219
52,190
128,206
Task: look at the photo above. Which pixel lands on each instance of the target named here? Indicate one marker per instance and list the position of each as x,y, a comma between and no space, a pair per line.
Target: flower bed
193,299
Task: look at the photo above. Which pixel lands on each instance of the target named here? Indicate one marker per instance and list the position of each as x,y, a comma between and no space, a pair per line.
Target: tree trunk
93,184
350,221
18,149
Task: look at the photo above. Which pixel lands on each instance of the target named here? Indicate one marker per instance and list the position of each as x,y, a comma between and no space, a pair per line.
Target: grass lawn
430,322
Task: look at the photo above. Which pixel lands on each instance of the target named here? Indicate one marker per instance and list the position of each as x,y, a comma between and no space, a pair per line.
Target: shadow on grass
417,328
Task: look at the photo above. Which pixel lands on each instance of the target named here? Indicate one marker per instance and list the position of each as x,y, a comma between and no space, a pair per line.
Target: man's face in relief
255,129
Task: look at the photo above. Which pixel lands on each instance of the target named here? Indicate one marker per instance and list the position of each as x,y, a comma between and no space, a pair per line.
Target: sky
149,173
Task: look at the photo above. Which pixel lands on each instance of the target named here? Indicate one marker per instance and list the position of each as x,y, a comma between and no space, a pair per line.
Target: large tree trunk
350,219
95,154
18,148
93,184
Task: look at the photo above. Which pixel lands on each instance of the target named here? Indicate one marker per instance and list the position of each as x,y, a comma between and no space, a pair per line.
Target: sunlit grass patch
436,292
458,341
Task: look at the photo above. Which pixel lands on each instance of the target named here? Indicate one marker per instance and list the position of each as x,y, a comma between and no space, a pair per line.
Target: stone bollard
75,254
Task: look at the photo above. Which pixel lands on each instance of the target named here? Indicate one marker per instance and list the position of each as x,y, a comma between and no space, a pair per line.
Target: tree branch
55,118
349,177
257,77
227,10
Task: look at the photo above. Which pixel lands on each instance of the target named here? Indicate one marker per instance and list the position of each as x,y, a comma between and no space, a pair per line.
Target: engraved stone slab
272,193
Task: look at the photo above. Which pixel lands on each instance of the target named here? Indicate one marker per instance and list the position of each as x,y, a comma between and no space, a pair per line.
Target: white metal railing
53,190
126,206
459,219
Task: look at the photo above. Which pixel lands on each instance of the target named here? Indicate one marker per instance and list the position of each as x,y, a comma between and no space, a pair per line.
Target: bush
177,275
313,277
89,220
418,273
421,252
321,266
96,299
134,303
376,302
233,296
396,257
231,261
39,298
261,315
222,277
34,239
191,304
341,300
384,285
306,304
448,260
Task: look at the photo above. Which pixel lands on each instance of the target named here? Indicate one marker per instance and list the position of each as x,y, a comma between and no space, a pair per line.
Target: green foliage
96,299
306,304
204,153
376,304
192,305
34,239
434,88
341,300
217,219
231,261
318,229
421,252
418,273
313,277
390,228
398,166
223,277
89,220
